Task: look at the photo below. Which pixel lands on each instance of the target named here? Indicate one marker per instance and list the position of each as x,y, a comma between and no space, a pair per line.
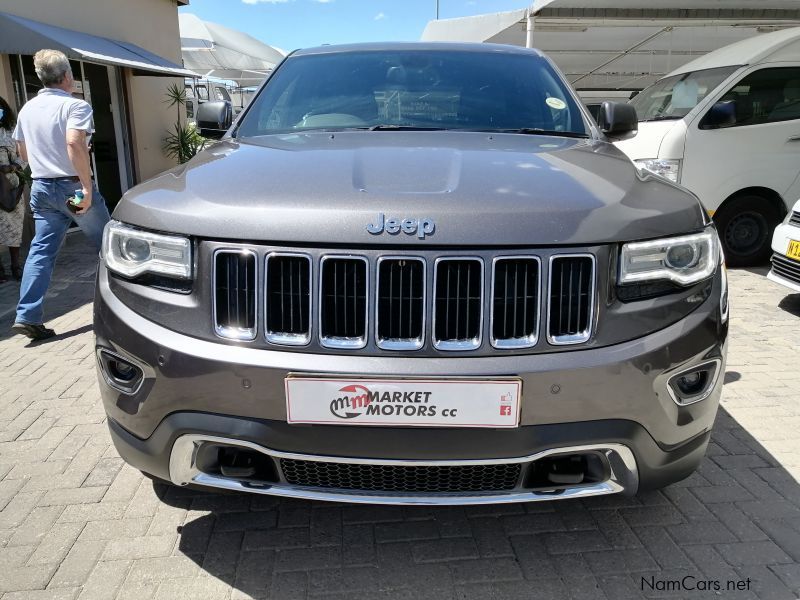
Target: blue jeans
52,219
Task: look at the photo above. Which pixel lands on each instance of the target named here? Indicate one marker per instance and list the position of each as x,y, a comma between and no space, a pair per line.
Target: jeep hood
480,189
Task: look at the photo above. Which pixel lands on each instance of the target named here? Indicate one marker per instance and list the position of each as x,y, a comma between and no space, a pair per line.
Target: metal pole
437,10
529,36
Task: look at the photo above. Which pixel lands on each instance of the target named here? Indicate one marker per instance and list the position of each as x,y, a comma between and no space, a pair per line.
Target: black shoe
35,332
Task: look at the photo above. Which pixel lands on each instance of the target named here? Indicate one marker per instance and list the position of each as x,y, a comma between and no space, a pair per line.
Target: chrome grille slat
786,268
288,298
516,301
399,311
329,298
571,293
343,306
451,298
234,281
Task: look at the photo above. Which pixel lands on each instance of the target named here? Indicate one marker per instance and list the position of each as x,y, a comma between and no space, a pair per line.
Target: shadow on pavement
737,517
791,304
72,286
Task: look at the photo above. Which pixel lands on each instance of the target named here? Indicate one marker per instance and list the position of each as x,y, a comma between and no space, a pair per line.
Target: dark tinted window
765,96
413,88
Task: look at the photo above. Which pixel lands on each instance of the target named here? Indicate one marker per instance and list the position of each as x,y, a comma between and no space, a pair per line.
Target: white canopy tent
216,51
621,44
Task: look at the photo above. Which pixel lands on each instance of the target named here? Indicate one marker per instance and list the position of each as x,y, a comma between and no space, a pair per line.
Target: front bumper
787,272
612,398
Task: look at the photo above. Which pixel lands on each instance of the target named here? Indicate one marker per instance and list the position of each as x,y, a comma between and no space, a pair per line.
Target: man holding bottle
51,134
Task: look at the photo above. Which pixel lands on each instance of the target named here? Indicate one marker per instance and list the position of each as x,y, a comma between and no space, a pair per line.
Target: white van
727,127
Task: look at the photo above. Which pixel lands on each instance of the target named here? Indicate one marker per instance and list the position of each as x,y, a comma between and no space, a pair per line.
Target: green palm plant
183,141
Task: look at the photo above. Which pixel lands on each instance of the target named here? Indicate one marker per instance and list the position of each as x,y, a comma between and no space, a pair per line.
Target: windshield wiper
537,131
387,127
661,118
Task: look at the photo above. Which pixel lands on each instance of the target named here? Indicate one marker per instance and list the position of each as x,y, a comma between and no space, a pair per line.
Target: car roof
768,47
424,46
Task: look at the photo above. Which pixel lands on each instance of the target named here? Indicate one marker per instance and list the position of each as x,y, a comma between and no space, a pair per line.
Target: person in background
51,135
10,168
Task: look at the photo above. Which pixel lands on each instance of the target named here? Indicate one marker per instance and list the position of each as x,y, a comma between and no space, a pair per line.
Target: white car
786,245
727,127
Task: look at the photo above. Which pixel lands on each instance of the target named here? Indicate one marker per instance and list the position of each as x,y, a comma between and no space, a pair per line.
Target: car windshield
673,97
414,89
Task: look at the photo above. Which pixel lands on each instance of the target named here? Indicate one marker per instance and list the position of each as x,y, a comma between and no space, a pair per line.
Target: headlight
668,168
131,252
684,260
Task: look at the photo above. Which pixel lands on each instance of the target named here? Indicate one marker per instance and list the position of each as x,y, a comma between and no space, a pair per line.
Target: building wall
151,24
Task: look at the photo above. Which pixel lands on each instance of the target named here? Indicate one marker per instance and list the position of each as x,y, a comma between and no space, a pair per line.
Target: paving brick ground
75,522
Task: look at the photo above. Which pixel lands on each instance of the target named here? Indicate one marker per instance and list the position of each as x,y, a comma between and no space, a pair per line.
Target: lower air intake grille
401,303
786,268
343,302
515,302
288,299
458,304
235,294
391,478
571,299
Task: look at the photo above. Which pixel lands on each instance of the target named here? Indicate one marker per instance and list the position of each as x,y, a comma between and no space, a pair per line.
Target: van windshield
415,89
673,97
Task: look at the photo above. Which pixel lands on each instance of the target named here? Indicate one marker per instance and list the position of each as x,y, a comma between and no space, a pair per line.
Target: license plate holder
403,402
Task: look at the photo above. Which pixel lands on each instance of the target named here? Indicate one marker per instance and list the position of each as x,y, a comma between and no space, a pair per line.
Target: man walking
51,134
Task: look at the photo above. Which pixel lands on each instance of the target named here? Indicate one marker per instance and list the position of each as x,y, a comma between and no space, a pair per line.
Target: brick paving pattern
75,522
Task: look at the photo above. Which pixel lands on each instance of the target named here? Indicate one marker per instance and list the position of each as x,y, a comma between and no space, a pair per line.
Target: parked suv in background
413,273
727,127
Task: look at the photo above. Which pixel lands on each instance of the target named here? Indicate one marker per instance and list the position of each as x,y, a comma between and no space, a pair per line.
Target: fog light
120,373
695,384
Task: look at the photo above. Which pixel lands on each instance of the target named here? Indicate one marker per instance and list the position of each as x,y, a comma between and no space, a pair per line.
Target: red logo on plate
505,411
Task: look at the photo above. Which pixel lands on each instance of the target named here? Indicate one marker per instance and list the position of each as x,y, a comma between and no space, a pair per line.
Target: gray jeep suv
413,273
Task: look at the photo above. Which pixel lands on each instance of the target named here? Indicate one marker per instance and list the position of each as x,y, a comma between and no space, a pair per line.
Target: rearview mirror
618,121
722,114
214,118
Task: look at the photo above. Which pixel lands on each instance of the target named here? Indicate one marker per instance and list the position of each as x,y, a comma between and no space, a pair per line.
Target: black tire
745,225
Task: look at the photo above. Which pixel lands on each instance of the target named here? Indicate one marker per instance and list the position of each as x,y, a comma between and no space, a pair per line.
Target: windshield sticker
556,103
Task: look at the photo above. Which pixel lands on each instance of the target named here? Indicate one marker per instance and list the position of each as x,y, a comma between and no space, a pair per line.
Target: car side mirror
618,121
214,118
722,114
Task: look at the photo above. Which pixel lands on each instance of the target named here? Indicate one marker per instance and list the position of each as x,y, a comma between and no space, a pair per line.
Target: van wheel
745,226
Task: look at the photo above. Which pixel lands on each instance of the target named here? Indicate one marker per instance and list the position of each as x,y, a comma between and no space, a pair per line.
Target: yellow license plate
794,250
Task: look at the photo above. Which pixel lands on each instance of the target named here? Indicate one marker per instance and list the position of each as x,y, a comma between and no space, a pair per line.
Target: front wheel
745,226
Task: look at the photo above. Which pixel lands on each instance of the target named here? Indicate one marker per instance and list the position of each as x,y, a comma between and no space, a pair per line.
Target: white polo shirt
42,124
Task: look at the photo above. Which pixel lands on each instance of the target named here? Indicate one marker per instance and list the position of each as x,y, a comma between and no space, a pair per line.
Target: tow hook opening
566,470
234,462
695,384
120,373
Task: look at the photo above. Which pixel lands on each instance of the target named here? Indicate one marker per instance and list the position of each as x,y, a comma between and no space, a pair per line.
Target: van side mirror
214,118
618,121
722,114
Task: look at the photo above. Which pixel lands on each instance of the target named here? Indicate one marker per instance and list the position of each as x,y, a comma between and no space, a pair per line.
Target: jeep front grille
458,304
288,292
343,302
235,278
571,298
515,302
387,302
400,312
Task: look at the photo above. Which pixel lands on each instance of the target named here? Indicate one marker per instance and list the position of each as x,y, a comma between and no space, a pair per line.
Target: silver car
413,273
